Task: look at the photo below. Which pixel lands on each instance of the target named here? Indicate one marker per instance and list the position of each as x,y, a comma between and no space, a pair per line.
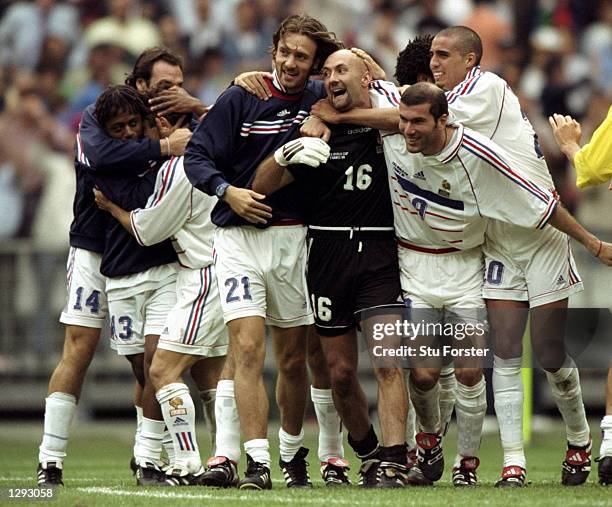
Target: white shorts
262,273
449,285
86,303
195,325
139,315
528,265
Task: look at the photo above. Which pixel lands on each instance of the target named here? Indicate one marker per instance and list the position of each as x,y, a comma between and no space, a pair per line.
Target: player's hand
254,83
376,71
245,203
305,150
314,127
567,133
103,202
323,110
605,254
165,128
178,141
175,100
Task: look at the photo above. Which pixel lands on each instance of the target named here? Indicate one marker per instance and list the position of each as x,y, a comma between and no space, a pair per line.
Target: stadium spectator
26,26
123,26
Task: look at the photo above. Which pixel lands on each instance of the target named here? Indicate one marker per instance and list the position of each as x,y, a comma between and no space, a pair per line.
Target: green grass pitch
96,474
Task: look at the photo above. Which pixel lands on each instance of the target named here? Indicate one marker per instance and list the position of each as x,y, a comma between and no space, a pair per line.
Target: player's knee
137,363
80,344
468,376
508,349
388,376
424,378
249,355
158,375
293,367
343,378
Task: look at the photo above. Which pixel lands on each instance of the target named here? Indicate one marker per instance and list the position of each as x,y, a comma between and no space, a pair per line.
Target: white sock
448,386
259,450
59,412
289,444
179,415
208,397
168,446
565,387
427,407
138,426
411,426
228,422
606,438
508,393
330,424
470,409
149,445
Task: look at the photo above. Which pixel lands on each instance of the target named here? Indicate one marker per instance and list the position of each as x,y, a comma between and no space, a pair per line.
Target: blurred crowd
57,56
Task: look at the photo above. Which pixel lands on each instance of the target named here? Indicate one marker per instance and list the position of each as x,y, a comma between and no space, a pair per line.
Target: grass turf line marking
269,497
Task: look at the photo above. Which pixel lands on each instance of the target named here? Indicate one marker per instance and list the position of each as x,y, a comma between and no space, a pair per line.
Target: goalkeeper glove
311,151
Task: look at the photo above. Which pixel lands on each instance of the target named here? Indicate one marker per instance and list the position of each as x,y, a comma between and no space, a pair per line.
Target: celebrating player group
315,202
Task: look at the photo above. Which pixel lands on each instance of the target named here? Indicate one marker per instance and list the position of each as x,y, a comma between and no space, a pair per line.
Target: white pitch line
208,496
33,479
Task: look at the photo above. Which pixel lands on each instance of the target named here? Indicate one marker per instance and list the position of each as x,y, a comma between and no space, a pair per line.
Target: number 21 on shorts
235,293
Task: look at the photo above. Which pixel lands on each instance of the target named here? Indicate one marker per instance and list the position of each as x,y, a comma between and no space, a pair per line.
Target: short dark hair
426,93
119,99
469,40
326,41
414,60
144,64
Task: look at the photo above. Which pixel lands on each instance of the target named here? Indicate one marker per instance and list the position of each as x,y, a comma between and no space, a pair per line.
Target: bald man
353,268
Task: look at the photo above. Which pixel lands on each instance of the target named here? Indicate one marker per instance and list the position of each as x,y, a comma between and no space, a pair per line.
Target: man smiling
261,270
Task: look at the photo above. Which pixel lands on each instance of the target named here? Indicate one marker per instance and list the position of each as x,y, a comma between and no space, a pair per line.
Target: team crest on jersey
444,191
177,407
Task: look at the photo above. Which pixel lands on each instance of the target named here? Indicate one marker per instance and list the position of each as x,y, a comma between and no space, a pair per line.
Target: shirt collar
451,149
276,82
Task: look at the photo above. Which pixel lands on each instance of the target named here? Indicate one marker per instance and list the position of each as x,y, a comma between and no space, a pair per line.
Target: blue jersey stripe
408,186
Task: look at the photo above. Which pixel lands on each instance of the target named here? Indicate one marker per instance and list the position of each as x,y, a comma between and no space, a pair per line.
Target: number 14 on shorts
92,301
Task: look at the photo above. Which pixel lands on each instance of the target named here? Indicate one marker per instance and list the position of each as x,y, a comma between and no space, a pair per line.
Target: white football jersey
445,200
484,102
179,211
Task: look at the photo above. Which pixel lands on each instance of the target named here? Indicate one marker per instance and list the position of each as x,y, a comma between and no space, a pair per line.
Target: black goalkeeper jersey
351,189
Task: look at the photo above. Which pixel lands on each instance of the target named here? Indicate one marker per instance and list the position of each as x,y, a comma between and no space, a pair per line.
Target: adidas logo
284,112
560,279
419,176
180,422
